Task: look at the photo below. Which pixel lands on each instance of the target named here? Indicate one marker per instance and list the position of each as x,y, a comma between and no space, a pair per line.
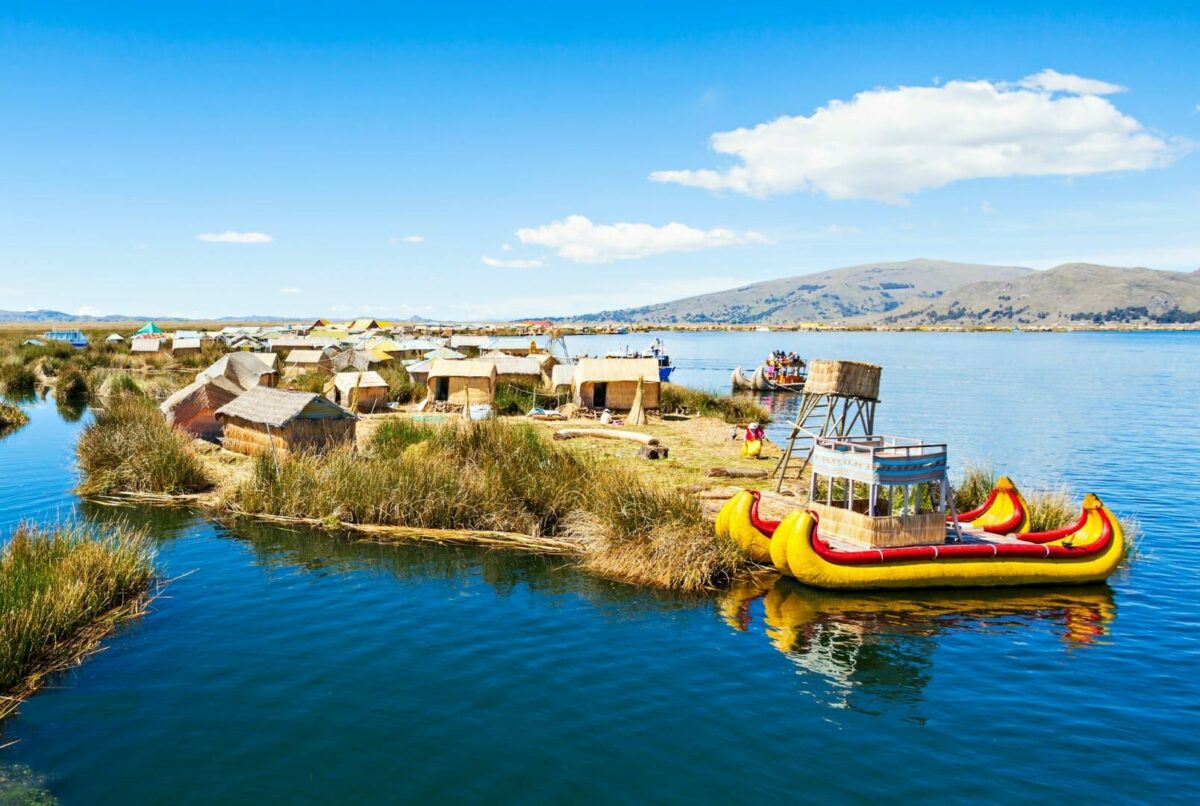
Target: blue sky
460,161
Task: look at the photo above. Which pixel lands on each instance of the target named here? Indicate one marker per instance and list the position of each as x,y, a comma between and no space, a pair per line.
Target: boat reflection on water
882,645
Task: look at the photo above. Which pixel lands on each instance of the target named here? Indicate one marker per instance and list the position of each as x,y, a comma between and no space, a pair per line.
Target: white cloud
505,247
235,237
986,207
884,144
516,263
414,239
88,310
577,239
289,290
1054,81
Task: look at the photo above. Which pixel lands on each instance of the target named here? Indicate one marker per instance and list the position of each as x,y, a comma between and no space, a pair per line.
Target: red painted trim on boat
1056,534
766,527
962,551
1012,523
982,508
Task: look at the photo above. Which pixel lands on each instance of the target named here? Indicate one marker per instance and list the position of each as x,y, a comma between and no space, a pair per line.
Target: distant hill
1073,293
60,316
834,295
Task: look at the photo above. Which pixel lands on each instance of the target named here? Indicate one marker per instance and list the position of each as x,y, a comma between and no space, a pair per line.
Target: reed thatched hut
185,346
358,391
246,370
145,344
461,381
266,420
611,383
300,362
531,371
194,407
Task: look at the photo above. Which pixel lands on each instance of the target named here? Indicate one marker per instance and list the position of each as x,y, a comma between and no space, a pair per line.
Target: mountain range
931,292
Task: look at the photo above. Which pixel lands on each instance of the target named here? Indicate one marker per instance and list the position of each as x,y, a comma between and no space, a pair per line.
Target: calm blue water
294,667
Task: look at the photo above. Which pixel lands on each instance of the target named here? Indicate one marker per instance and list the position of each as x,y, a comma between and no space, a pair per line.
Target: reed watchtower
838,401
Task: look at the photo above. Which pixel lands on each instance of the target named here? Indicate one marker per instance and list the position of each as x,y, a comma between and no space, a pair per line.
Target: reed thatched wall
253,439
620,394
481,390
888,531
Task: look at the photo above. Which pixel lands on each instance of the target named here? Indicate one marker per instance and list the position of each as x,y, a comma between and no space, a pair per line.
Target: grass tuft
972,490
401,387
130,448
732,409
61,590
11,417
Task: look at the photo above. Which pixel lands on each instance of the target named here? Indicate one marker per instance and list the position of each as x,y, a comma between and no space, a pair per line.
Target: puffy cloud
235,237
884,144
414,239
289,290
514,263
88,310
577,239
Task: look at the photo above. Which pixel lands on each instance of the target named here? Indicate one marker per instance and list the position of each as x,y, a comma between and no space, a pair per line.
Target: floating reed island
497,437
62,590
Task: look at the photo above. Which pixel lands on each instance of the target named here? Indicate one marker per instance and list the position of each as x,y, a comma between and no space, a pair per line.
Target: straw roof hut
443,352
611,383
468,344
246,370
284,345
265,420
300,362
419,371
145,344
186,346
457,382
412,349
245,342
532,371
513,345
194,407
358,391
562,375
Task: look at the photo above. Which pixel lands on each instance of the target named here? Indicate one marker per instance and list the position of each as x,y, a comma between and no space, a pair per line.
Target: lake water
289,666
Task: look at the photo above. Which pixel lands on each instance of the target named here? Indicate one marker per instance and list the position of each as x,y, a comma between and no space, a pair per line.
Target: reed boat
759,382
992,547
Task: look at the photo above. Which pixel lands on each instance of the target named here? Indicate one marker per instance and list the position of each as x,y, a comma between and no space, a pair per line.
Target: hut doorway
600,396
441,391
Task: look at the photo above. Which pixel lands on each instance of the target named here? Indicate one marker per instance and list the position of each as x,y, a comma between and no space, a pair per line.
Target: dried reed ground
61,591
